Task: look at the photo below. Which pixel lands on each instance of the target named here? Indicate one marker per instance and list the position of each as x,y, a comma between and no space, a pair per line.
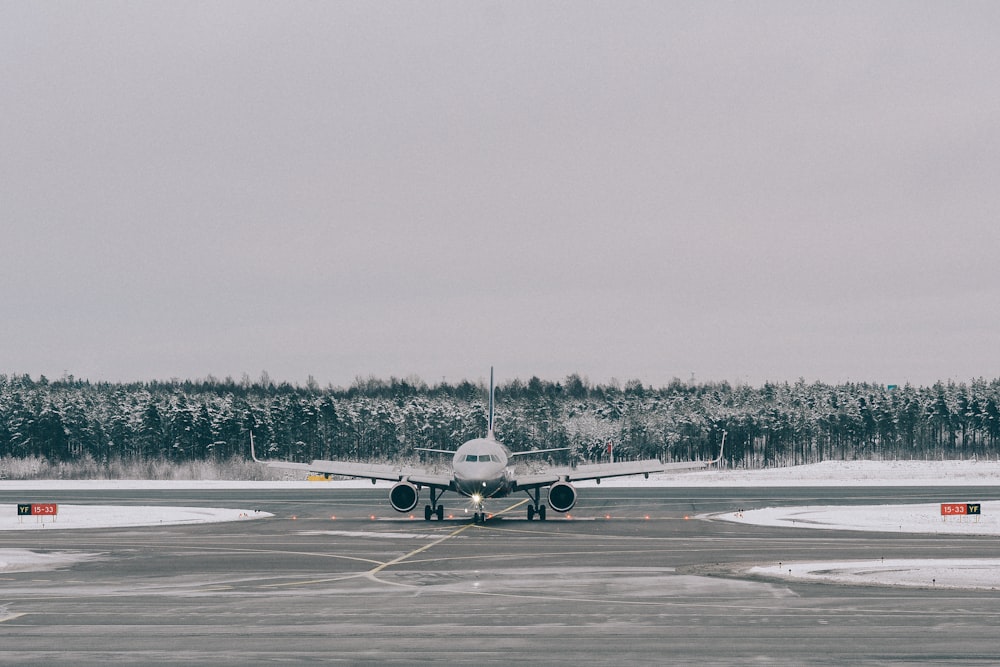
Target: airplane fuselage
481,468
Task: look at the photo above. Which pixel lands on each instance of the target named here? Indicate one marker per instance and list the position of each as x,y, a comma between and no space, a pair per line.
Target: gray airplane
482,468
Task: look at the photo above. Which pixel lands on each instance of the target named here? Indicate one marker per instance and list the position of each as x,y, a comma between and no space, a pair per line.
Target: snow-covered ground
828,473
120,516
943,573
976,573
849,473
913,518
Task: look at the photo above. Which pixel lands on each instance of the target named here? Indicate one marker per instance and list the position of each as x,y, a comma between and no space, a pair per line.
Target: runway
634,577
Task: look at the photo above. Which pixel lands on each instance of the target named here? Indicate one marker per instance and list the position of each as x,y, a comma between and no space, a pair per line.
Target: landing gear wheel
440,512
541,512
531,512
427,512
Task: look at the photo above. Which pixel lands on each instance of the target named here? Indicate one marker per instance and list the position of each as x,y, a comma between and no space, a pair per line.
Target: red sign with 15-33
956,509
37,509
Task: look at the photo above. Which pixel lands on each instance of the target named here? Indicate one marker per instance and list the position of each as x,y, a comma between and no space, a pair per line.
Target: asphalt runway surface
634,577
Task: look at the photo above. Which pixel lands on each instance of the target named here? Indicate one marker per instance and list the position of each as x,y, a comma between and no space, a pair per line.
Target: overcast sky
742,191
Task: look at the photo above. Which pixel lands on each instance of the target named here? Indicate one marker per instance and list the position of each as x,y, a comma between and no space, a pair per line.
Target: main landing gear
434,509
532,511
537,508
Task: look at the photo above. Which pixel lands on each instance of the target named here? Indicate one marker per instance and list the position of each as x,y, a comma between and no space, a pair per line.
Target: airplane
482,468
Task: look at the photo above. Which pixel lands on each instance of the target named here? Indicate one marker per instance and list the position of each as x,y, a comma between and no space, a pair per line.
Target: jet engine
562,496
404,496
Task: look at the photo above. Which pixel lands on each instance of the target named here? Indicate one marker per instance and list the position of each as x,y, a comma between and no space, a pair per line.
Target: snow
925,518
920,518
23,560
965,573
99,516
828,473
848,473
120,516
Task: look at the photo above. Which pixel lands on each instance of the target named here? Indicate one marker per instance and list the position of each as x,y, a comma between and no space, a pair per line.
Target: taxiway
633,577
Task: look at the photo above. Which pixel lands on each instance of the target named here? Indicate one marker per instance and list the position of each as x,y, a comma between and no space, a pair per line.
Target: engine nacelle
404,496
562,496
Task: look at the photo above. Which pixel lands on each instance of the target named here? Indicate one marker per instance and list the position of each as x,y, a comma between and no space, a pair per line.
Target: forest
81,429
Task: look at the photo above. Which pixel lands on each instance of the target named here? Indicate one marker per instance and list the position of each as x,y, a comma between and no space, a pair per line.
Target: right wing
596,471
599,471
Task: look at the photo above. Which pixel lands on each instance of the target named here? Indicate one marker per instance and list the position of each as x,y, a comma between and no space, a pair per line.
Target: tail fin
489,433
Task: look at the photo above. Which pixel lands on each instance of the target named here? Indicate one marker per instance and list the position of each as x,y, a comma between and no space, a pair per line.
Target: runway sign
37,509
958,509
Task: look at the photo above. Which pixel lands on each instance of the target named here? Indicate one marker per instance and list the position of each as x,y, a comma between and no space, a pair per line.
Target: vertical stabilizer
489,433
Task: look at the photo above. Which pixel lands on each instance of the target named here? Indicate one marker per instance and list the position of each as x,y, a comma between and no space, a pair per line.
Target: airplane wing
599,471
372,471
596,471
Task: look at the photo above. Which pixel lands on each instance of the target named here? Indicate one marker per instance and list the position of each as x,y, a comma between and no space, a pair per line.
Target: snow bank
949,573
918,518
120,516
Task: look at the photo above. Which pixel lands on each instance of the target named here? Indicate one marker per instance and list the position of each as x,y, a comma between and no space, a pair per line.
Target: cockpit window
482,457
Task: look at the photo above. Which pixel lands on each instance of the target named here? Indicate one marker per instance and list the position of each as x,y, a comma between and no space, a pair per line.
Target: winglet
253,453
489,432
721,447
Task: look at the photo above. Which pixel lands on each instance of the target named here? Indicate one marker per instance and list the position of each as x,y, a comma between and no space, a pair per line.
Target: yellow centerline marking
396,561
372,573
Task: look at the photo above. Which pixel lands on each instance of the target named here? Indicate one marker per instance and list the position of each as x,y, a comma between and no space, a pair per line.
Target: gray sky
743,191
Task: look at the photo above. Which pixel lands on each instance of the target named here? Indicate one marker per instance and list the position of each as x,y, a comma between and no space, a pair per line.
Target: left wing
372,471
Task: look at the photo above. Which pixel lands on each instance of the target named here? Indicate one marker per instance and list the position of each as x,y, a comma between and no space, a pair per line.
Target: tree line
384,420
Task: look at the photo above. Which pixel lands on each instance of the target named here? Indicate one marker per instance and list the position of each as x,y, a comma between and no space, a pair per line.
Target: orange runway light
647,517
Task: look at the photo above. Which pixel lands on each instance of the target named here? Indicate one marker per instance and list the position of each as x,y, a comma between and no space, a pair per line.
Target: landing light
477,498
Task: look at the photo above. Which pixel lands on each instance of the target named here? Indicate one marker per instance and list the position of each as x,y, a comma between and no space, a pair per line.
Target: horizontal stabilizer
449,452
621,469
539,451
